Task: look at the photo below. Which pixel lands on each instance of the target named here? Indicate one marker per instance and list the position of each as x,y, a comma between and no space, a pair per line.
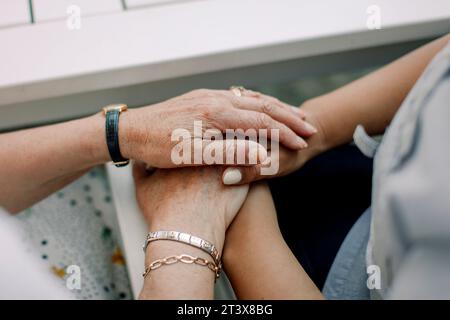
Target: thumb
247,174
241,175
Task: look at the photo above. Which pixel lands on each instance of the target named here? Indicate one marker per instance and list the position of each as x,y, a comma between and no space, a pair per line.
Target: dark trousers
318,204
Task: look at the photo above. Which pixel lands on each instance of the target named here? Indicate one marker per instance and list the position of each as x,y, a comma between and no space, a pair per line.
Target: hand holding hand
146,132
286,160
191,200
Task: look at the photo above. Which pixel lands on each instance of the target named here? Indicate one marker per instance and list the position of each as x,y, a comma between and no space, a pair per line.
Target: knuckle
254,94
276,100
234,100
263,120
267,107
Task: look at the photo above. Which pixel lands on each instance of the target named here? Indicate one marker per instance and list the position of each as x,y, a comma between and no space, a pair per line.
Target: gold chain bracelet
184,258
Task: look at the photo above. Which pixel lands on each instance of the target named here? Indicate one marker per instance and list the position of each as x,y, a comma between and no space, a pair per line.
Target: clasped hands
194,199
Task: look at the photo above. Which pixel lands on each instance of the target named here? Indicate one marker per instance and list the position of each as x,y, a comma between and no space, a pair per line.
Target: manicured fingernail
232,176
310,128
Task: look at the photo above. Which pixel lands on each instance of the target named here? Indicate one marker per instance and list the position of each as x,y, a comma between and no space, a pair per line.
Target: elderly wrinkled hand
146,133
191,200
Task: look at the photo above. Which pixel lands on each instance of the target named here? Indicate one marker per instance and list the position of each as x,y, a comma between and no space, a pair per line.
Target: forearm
371,101
37,162
257,260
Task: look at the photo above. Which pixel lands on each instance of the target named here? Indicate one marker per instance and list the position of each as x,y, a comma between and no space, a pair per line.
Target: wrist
95,139
318,142
163,248
212,232
96,144
137,136
129,133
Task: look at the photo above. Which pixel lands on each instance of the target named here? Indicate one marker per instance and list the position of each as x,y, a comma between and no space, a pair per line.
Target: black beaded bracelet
112,113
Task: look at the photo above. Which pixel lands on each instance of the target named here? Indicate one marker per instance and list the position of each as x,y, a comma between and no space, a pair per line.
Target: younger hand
285,160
